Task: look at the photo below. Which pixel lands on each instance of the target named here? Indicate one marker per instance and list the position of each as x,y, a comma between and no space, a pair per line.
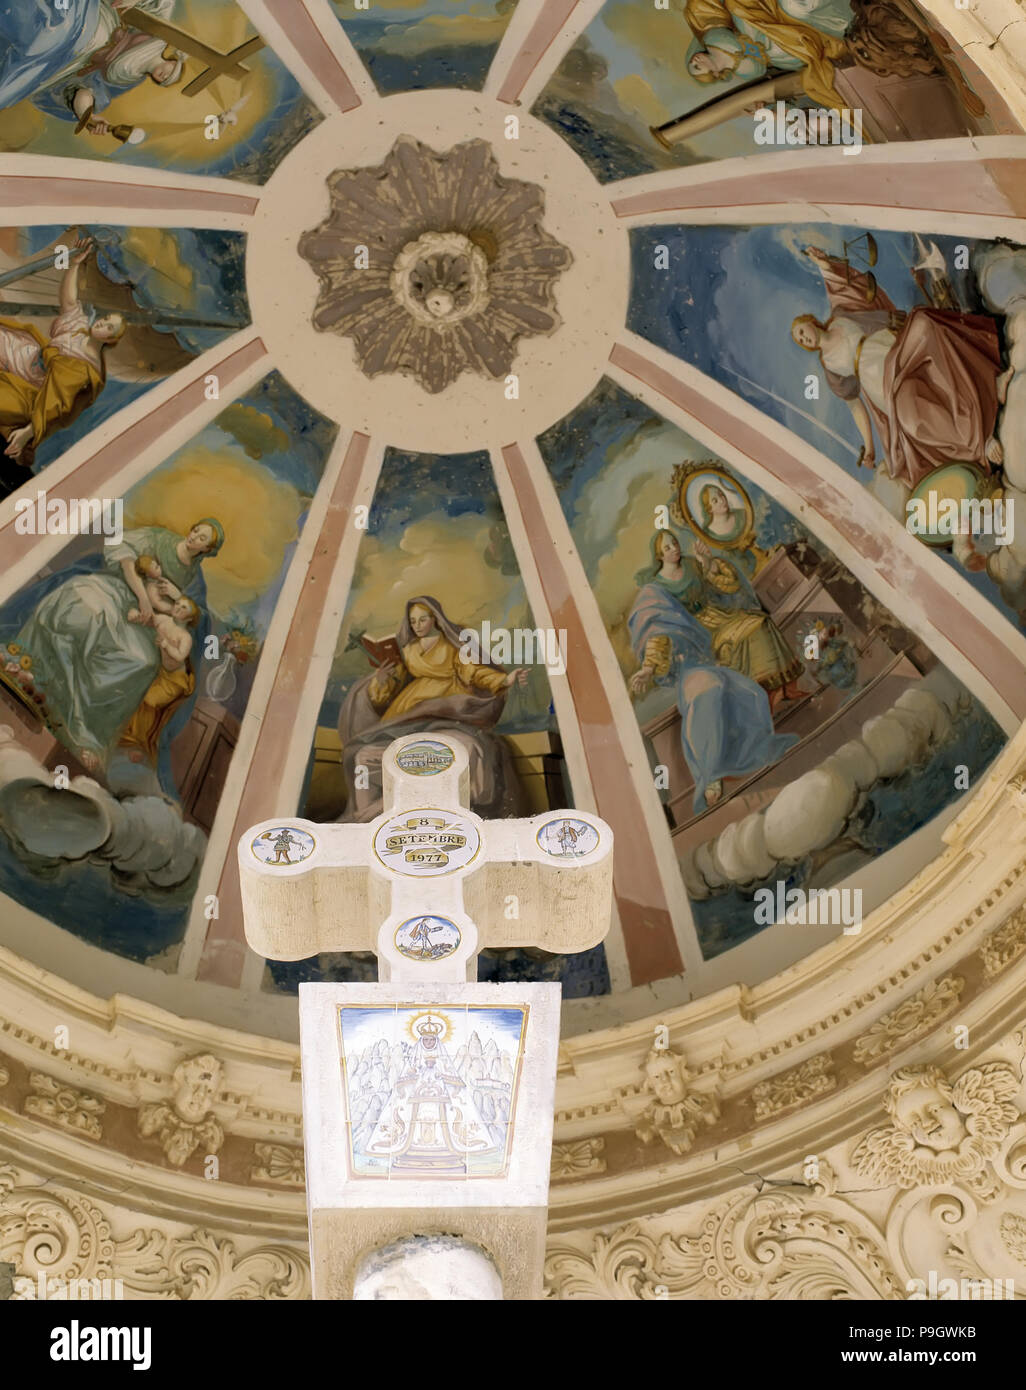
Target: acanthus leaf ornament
753,1246
58,1234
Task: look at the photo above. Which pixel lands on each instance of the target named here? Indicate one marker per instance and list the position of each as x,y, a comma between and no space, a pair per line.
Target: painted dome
635,393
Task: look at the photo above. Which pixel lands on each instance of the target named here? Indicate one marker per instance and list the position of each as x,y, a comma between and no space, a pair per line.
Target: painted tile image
431,1092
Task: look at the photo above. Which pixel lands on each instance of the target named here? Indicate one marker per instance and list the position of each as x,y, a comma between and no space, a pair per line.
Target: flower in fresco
241,640
435,264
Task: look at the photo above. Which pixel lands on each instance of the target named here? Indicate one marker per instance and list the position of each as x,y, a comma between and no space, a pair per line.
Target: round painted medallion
427,842
567,837
425,758
283,846
427,938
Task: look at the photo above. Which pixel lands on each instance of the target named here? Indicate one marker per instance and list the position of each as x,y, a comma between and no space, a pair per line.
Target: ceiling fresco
736,582
942,313
343,396
206,538
176,292
647,88
440,43
175,84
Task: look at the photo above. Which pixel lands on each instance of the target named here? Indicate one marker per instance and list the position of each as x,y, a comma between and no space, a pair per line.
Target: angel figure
675,1110
942,1131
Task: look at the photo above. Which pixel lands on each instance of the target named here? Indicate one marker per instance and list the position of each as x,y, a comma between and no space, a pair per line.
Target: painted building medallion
425,758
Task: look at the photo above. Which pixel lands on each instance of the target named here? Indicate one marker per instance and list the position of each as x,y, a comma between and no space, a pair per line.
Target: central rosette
434,264
441,278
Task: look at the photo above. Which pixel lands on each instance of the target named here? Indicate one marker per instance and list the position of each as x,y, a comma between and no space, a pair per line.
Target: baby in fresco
171,617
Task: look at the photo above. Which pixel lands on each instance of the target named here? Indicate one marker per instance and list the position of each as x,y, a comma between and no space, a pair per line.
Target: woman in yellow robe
46,382
432,668
440,683
815,51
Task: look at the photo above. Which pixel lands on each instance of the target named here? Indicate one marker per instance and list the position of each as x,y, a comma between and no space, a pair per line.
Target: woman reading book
429,684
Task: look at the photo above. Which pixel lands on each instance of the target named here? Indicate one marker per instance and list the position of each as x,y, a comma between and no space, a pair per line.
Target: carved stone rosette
65,1106
434,264
578,1157
278,1163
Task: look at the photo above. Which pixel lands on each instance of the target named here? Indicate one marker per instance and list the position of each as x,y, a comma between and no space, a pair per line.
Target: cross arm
546,882
310,889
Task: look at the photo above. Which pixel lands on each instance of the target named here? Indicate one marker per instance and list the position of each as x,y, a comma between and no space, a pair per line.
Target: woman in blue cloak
49,53
726,724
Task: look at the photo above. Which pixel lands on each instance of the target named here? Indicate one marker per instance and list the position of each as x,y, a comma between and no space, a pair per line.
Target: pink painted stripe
224,952
945,186
969,632
69,194
316,52
649,937
543,32
90,478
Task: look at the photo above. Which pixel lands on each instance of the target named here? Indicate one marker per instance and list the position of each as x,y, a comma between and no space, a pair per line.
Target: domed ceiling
595,381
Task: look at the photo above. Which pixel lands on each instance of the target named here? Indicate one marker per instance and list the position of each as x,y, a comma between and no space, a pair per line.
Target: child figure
172,619
148,568
173,636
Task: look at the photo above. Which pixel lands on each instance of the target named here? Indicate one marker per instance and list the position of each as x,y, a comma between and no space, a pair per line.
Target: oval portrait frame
716,473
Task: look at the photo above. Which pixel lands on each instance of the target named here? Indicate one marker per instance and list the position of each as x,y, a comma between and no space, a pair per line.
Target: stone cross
428,883
427,1098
